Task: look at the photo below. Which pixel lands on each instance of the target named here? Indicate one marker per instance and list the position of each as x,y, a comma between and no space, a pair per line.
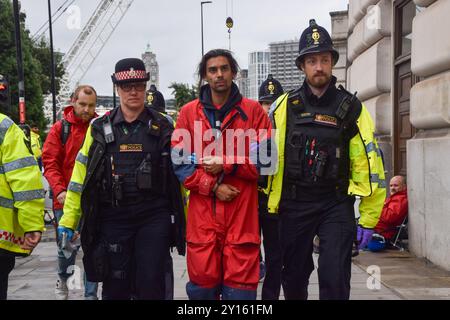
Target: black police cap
130,70
270,90
315,39
155,99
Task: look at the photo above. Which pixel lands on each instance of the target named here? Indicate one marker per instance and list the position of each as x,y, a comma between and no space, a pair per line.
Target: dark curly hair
201,70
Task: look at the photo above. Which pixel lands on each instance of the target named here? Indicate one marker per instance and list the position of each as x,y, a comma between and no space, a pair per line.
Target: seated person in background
394,212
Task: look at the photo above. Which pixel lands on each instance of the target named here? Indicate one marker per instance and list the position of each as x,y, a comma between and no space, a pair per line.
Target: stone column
370,66
339,31
429,150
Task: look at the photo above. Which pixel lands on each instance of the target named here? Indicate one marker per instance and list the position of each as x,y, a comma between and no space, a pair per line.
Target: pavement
402,276
408,277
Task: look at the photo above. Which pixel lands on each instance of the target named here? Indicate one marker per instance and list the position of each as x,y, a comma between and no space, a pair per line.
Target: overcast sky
172,28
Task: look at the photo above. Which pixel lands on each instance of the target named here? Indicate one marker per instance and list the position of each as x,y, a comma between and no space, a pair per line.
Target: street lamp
52,62
201,9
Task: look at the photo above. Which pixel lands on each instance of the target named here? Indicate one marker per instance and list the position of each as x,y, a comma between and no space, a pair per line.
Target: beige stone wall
430,42
339,27
369,55
429,150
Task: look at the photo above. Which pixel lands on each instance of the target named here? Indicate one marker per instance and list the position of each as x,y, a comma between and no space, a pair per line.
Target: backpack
65,131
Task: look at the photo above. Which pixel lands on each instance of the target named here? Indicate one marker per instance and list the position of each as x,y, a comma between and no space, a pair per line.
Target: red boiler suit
223,239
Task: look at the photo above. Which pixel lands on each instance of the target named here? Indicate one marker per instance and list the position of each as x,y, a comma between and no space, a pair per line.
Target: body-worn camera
144,174
320,162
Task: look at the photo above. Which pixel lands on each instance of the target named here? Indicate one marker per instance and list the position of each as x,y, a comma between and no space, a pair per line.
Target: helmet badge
271,88
150,98
316,36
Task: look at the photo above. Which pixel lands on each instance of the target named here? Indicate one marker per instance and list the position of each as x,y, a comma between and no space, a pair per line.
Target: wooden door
404,12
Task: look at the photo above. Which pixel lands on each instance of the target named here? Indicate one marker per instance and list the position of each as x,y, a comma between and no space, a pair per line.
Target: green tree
31,65
183,93
41,52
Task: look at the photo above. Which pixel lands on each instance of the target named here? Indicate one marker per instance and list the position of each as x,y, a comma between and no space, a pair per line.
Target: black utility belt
127,200
300,192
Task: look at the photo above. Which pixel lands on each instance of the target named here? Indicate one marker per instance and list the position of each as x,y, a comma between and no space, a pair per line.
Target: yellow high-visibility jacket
36,145
366,177
21,190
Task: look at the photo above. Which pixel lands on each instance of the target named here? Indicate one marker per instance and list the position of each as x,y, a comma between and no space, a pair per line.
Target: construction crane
86,48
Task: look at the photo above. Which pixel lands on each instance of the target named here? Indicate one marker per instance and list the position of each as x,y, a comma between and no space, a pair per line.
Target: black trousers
333,220
169,278
138,254
272,251
7,263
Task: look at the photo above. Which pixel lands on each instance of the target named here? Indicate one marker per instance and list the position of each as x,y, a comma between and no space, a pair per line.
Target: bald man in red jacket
395,208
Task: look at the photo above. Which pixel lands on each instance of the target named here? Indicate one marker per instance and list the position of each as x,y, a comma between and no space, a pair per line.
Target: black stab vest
124,156
317,142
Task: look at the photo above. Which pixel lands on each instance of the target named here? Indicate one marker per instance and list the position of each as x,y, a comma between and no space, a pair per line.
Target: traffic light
5,100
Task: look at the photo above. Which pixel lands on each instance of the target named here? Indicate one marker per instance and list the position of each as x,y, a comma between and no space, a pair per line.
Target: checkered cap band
131,75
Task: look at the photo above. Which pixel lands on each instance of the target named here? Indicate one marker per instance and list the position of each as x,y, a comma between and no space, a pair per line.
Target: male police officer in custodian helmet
119,187
269,91
327,156
155,99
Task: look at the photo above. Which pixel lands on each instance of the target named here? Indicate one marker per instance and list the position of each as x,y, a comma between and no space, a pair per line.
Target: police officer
269,91
119,187
155,99
327,156
21,199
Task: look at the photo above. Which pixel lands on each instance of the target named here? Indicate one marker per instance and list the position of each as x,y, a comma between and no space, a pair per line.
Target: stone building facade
339,30
399,62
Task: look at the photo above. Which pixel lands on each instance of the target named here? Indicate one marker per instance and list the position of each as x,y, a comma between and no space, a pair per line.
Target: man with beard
327,156
222,222
60,151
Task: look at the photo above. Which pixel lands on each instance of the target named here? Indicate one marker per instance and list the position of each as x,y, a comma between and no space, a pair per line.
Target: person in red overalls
217,162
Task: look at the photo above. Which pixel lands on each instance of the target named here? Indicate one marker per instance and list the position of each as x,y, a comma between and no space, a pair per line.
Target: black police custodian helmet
130,70
155,99
315,39
270,90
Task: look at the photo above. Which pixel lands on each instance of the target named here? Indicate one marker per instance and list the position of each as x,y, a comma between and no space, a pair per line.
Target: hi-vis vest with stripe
21,191
366,166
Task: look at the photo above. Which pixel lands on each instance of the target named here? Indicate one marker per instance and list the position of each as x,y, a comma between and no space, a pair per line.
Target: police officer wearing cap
119,189
269,91
327,155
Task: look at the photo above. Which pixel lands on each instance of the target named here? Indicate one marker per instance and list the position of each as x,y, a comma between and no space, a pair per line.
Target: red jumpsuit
222,237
